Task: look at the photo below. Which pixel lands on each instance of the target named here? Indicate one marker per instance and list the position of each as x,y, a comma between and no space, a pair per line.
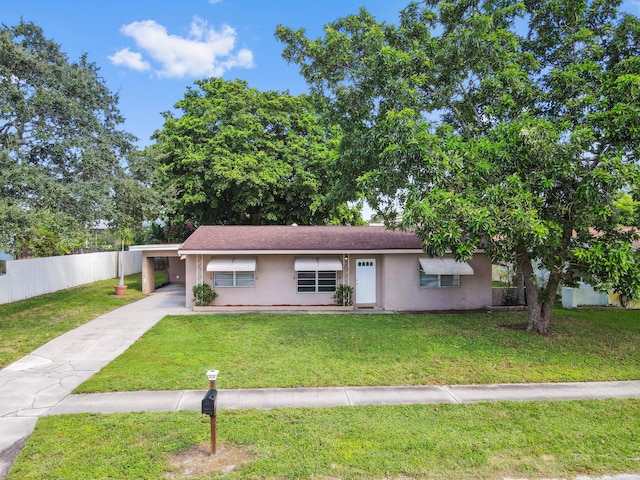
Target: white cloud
129,59
206,52
213,2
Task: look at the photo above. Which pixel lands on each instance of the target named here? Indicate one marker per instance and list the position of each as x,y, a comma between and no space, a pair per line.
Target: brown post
212,375
212,386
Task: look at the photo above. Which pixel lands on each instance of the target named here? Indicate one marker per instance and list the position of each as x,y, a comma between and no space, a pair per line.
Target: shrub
344,295
204,294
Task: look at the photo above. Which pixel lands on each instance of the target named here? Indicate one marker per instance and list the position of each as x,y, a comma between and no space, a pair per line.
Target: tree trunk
539,300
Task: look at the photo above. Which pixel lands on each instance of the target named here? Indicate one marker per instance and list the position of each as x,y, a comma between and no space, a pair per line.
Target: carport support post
212,375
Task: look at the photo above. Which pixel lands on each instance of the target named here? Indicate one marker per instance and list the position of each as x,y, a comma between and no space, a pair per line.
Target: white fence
37,276
583,296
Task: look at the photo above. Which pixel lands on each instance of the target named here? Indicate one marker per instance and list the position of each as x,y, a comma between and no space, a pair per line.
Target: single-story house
302,266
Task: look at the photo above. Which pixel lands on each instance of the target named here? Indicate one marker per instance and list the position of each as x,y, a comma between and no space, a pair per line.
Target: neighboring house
585,295
301,266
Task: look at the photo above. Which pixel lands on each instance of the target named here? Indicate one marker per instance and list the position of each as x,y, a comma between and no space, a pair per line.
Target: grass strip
280,350
507,439
28,324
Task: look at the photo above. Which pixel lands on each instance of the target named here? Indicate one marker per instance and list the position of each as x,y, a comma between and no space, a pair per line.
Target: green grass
509,439
28,324
160,277
285,350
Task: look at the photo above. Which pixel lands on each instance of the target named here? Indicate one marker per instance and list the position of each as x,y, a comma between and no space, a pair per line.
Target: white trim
231,264
445,266
298,252
154,247
306,252
314,264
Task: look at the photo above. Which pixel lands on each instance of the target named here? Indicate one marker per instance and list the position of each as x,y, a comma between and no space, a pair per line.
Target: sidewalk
341,396
40,383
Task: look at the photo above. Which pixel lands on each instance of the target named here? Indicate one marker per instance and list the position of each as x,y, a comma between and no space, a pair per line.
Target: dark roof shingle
299,238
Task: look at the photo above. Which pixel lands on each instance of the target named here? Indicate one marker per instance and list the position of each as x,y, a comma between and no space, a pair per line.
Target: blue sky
150,51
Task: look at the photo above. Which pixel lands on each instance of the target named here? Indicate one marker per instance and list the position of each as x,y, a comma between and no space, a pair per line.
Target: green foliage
178,231
66,162
124,237
204,294
508,125
610,264
628,211
344,295
236,155
45,243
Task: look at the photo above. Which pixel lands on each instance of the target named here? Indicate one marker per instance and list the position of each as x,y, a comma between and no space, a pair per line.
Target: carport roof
286,239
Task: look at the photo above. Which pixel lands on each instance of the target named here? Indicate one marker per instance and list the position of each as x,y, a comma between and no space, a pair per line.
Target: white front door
365,280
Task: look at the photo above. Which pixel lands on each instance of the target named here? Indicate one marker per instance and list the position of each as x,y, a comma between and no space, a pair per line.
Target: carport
161,261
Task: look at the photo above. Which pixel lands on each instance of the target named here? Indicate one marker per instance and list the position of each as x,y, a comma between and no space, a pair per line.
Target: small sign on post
209,405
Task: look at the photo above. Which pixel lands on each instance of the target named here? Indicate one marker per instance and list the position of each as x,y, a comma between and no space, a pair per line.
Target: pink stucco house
301,266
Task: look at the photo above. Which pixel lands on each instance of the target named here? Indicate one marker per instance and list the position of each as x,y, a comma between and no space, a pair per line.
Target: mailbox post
209,404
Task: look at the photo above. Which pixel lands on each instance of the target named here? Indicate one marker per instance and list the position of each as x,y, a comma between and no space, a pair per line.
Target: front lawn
509,439
286,350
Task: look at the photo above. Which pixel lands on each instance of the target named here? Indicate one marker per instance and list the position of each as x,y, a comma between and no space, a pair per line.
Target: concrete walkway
341,396
40,383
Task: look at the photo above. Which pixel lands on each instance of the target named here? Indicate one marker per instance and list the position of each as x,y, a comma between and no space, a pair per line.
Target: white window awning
230,264
314,264
445,266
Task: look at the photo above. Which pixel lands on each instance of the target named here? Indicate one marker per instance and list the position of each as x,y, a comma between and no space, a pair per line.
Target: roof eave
308,252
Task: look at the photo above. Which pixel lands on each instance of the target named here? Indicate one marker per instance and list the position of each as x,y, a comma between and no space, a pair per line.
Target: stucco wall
402,291
275,284
398,284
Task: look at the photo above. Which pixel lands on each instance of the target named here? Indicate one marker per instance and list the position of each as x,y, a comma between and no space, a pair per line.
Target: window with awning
314,264
442,272
444,266
232,272
221,264
317,274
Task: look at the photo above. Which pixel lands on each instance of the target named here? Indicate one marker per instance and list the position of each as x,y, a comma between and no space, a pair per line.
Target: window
233,279
438,281
319,281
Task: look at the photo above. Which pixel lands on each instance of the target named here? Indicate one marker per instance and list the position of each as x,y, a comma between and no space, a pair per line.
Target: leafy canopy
62,152
237,155
511,125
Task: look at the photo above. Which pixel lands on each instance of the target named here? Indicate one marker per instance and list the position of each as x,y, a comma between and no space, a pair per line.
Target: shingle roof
299,238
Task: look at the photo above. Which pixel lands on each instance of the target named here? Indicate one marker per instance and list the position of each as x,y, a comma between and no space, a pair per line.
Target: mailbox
209,403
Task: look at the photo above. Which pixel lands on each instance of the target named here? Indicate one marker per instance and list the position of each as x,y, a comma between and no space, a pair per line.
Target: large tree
237,155
502,124
63,154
